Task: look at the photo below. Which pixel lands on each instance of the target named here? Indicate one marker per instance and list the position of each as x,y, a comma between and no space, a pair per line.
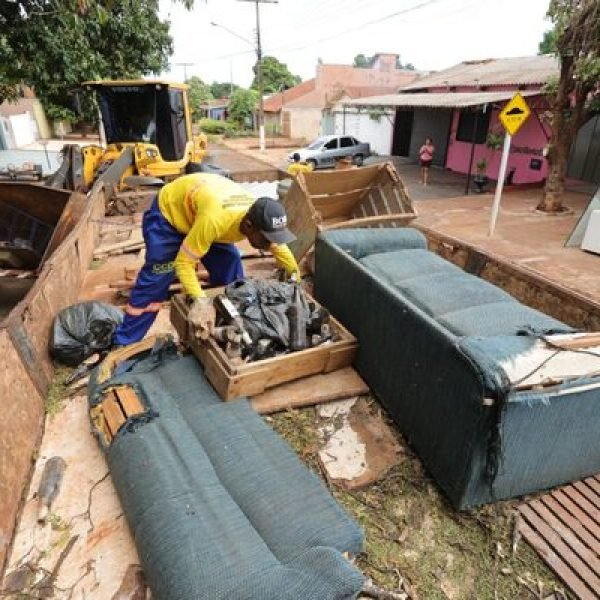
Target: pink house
458,108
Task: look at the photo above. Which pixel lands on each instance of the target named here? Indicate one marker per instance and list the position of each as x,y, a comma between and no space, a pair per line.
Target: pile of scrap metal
258,319
26,172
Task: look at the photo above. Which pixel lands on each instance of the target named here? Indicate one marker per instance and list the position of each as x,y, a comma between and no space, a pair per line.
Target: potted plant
481,179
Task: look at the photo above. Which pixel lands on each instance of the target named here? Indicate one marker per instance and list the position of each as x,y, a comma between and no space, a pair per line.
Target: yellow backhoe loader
146,135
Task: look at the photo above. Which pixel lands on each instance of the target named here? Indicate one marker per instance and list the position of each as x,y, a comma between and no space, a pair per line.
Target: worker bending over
298,166
198,218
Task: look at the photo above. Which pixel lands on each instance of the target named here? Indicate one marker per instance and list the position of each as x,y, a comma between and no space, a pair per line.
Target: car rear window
346,142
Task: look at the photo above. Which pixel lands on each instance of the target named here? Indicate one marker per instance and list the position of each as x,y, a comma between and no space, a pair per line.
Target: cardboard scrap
360,451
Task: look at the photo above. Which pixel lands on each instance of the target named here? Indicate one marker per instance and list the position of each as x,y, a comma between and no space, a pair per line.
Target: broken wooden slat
112,412
316,389
129,401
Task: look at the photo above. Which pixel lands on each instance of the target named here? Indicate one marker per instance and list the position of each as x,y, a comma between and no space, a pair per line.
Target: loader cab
146,112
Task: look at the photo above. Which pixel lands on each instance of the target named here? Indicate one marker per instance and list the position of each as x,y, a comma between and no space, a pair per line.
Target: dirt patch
414,535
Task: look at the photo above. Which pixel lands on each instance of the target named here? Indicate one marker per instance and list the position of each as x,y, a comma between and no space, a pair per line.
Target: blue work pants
222,261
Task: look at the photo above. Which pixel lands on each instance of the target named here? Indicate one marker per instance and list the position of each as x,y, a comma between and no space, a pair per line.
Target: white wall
365,129
23,129
305,123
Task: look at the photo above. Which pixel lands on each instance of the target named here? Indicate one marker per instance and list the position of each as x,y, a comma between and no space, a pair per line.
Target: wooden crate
234,381
372,196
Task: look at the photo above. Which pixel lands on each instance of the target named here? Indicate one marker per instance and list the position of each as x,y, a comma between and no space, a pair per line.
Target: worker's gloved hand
202,316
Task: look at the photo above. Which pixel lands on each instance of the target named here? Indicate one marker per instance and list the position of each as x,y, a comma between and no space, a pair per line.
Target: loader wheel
193,167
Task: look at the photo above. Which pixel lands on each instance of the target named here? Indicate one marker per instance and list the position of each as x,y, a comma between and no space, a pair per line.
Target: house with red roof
301,111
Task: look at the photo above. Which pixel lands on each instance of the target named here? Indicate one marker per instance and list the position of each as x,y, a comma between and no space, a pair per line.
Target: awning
437,99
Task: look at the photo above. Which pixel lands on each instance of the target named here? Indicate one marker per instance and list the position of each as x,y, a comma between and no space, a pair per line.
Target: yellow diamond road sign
514,114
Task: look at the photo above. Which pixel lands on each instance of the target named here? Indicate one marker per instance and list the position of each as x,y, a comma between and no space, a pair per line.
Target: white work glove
202,316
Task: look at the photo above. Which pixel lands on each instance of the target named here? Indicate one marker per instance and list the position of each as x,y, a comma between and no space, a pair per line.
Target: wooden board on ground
249,379
564,528
372,196
316,389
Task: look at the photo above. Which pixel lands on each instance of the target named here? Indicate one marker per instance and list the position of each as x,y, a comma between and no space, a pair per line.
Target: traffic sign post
512,117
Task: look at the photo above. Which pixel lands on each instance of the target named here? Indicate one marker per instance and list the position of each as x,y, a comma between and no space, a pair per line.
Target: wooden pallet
249,379
564,528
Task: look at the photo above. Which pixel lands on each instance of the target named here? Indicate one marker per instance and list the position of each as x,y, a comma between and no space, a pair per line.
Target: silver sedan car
325,150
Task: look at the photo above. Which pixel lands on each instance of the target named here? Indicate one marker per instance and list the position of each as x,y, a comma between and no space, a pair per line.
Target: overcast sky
431,34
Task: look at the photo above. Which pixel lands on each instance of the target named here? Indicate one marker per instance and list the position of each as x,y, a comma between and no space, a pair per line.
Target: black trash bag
263,306
80,330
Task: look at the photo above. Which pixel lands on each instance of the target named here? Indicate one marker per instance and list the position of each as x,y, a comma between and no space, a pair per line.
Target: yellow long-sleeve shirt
208,208
299,167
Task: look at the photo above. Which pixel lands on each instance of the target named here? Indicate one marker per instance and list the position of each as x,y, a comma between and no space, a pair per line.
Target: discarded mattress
219,505
446,354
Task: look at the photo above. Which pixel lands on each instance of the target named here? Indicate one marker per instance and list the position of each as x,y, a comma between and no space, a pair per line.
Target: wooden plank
594,483
130,401
570,521
558,545
588,555
564,500
584,340
316,389
112,413
563,570
575,494
368,221
590,495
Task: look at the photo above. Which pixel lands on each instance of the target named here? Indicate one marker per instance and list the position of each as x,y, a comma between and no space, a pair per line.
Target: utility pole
259,74
185,65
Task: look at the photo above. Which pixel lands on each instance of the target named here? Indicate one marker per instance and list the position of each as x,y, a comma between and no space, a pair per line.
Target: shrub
214,126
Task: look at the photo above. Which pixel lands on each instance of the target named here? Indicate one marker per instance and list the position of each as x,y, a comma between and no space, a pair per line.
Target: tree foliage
54,45
361,61
242,105
276,76
577,93
548,43
222,90
198,94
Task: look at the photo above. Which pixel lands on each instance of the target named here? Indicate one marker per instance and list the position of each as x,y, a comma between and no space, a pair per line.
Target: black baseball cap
268,216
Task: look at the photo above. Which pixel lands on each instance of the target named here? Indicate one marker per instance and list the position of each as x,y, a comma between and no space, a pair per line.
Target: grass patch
412,532
97,263
57,391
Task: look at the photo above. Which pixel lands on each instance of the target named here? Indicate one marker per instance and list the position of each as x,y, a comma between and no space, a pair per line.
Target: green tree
222,90
576,94
54,45
276,76
362,62
199,93
548,43
242,105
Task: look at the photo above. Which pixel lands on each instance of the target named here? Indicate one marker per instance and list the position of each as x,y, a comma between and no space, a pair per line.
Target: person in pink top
425,159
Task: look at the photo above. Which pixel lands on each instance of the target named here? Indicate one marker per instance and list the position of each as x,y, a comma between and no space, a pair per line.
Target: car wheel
358,160
312,162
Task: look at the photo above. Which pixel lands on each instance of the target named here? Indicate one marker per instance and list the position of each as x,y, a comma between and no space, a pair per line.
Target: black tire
193,167
312,162
358,160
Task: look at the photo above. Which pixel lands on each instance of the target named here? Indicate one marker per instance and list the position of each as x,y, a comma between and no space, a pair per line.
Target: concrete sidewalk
523,236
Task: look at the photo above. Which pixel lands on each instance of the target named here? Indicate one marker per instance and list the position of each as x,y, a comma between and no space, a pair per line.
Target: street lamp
257,49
